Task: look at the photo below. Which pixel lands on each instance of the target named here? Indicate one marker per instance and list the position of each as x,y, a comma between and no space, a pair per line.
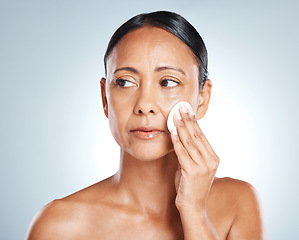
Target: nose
146,103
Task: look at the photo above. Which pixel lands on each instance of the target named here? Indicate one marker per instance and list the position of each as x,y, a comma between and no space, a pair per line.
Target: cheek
195,100
118,114
191,94
167,99
188,94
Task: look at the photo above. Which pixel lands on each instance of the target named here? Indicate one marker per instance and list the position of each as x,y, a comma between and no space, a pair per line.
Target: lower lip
146,135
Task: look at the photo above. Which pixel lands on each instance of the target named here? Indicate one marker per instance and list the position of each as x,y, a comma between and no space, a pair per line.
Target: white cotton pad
175,108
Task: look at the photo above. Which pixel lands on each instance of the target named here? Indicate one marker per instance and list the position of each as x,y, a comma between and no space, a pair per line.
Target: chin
150,152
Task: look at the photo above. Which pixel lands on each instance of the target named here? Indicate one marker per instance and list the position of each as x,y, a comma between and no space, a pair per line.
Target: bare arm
196,172
197,167
197,225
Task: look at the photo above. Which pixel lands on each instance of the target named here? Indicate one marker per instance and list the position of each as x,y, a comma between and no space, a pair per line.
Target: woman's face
148,72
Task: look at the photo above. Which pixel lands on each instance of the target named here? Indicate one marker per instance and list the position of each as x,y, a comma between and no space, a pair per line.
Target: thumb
177,178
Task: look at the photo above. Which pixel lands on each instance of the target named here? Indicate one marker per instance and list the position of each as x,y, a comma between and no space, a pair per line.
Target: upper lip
146,129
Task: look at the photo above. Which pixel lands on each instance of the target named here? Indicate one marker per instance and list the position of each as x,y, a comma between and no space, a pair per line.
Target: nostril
140,111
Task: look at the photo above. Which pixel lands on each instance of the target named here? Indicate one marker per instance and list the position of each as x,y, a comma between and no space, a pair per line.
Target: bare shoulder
52,221
235,189
241,195
69,217
244,202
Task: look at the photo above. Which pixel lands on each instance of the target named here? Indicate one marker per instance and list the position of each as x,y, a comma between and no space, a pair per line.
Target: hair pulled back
172,23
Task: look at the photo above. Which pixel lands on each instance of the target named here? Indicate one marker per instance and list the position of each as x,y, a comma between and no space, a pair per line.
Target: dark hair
173,23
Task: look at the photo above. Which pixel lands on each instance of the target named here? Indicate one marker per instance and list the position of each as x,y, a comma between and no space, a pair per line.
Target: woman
166,186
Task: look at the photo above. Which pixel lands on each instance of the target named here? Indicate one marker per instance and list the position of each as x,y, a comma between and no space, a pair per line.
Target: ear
204,99
104,96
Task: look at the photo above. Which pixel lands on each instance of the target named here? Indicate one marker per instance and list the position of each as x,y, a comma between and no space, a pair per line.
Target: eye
169,83
124,83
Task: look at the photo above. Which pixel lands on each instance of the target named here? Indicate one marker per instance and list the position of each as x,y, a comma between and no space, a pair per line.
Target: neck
148,185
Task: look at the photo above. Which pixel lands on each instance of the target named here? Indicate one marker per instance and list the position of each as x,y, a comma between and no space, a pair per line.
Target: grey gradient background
55,139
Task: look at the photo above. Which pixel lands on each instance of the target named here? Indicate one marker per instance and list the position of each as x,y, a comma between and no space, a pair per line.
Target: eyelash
120,82
178,83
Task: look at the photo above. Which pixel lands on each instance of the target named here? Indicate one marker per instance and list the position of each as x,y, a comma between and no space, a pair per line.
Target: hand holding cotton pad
175,108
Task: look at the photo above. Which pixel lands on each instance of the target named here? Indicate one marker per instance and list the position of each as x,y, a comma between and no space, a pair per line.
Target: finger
195,133
192,137
209,154
187,141
185,162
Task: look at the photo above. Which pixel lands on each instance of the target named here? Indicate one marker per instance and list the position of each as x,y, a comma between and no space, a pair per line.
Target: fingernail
184,108
191,113
178,116
175,131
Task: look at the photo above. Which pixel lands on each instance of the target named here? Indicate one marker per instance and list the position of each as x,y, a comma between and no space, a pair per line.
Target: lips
146,133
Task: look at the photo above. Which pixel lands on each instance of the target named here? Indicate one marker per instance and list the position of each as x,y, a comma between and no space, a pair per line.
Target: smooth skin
166,186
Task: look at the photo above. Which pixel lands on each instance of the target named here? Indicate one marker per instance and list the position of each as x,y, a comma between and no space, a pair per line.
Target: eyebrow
157,69
130,69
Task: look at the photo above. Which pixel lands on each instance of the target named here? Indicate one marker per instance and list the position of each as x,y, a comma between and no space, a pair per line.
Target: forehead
151,47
